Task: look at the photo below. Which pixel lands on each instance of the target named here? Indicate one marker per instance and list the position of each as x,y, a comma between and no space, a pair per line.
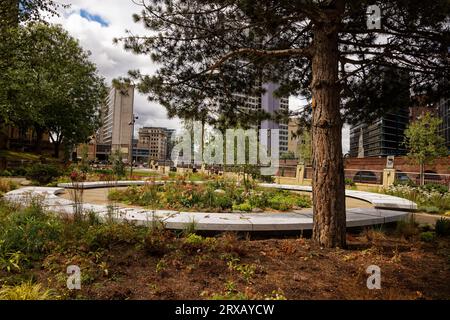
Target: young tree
209,52
423,141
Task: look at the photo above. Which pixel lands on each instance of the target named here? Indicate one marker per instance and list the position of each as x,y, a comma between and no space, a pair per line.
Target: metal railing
414,177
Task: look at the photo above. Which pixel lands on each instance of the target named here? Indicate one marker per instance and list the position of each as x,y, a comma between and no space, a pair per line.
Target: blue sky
93,17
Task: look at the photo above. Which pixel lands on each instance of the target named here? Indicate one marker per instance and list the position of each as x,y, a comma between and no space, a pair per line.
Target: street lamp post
132,122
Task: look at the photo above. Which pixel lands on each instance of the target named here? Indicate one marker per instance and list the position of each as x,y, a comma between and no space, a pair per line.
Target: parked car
365,177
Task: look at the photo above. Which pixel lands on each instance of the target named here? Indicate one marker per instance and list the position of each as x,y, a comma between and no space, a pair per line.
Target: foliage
194,242
43,173
50,85
26,291
7,185
118,166
305,147
30,231
349,182
84,163
287,155
428,197
217,195
442,227
423,141
427,236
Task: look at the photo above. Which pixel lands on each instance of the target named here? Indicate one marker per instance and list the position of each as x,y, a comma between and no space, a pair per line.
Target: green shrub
194,242
427,236
442,227
108,234
435,187
26,291
245,206
156,241
429,209
43,173
6,173
118,166
349,182
31,231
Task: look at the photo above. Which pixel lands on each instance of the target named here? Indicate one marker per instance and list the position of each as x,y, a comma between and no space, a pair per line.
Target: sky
95,23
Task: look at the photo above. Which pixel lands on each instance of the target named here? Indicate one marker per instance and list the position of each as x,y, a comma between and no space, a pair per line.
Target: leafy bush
26,291
194,242
220,195
430,187
5,173
31,231
112,233
428,197
118,166
429,209
427,236
43,173
349,182
442,227
245,206
7,185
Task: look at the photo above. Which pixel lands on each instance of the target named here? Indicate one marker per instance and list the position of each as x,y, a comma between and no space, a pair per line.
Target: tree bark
422,173
56,146
39,135
328,168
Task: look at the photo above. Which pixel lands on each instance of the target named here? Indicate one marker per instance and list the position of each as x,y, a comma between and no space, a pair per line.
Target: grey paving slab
224,221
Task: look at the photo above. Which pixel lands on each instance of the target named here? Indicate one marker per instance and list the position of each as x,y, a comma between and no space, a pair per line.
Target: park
238,150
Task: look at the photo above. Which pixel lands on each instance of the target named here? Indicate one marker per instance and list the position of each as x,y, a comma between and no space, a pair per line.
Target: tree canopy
210,53
210,50
423,141
50,85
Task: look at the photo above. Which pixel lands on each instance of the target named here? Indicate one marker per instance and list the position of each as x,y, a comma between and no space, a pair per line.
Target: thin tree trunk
328,169
422,174
56,149
38,145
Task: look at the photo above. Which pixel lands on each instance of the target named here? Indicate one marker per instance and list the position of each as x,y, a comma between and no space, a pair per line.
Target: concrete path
288,221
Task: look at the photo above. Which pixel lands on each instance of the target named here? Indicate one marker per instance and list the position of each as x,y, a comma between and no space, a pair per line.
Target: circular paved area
385,209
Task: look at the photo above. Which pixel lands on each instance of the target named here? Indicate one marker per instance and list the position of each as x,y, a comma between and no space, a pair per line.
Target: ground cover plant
431,198
128,261
220,195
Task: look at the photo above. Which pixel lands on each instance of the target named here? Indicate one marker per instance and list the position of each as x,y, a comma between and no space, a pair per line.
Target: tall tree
53,86
13,12
423,141
212,50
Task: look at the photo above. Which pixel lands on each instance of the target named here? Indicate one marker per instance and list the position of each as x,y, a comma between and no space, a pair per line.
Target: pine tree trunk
328,167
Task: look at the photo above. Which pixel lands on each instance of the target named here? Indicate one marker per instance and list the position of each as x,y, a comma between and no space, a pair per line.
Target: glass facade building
383,137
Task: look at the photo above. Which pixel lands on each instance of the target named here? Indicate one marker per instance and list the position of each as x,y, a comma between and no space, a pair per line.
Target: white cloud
113,61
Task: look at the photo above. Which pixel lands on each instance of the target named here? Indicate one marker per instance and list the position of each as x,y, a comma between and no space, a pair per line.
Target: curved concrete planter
386,209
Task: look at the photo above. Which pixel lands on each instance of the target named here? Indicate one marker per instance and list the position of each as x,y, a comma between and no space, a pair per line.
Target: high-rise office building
117,116
444,114
269,103
383,137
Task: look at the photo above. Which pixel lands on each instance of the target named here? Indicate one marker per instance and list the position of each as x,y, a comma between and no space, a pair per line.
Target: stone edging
289,221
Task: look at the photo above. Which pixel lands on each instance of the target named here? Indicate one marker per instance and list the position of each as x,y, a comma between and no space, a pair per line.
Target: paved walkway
381,212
